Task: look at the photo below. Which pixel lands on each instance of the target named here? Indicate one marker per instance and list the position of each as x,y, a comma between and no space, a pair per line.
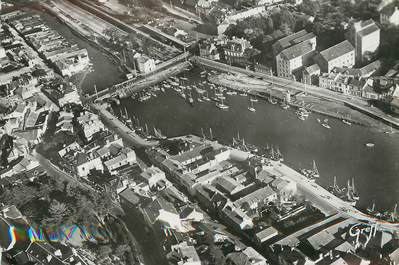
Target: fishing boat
346,122
302,117
370,145
206,98
311,174
162,89
231,93
325,124
272,100
190,99
200,100
284,105
243,94
222,106
251,108
390,131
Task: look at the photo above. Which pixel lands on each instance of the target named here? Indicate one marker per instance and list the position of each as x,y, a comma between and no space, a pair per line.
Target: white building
125,157
163,212
152,176
86,162
144,64
365,37
91,124
188,255
340,55
295,57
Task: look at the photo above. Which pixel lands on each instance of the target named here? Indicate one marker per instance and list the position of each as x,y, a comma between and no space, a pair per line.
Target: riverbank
356,103
319,105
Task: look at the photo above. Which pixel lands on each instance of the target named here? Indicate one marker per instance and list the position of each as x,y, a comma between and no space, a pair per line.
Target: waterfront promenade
126,133
284,84
326,201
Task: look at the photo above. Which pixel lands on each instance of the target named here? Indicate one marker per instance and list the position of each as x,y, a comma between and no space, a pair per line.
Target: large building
365,37
340,55
296,56
234,49
291,40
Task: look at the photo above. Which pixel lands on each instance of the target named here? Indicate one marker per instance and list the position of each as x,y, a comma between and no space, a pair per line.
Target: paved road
55,172
115,124
327,199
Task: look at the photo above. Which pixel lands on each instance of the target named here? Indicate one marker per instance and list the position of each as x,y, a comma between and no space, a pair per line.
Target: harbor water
340,151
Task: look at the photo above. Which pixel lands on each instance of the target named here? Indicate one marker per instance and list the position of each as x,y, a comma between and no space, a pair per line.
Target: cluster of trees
50,202
152,4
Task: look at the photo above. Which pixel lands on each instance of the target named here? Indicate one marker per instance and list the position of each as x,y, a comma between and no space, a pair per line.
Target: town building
310,75
144,64
248,256
340,55
163,212
365,38
390,15
208,50
152,176
233,50
187,254
295,58
291,40
237,16
90,124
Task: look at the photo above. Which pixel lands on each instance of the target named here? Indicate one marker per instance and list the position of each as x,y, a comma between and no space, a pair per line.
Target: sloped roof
337,50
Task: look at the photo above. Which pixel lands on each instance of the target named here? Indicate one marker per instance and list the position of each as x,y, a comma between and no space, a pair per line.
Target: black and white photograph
199,132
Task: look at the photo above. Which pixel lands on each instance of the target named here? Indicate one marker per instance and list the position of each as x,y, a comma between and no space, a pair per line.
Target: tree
18,195
121,251
104,251
57,211
250,54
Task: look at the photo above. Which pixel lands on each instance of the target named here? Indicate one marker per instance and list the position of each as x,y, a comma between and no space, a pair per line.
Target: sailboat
284,105
355,196
325,124
221,105
251,108
206,98
347,121
390,131
190,99
315,170
272,100
158,134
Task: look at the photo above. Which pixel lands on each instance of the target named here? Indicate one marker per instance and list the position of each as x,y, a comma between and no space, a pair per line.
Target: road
115,124
182,13
324,197
55,172
281,83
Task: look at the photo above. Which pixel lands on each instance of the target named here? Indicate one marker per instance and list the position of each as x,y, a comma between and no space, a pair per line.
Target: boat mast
315,170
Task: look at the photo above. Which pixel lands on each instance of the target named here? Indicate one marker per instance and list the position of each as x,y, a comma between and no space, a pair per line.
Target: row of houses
297,52
67,58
